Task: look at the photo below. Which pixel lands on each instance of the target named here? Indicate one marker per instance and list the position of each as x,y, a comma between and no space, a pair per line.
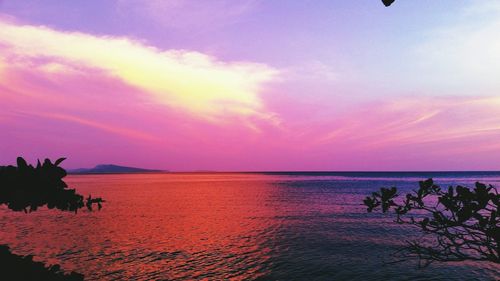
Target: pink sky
252,85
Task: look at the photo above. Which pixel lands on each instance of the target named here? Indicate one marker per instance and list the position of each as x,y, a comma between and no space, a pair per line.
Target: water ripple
227,227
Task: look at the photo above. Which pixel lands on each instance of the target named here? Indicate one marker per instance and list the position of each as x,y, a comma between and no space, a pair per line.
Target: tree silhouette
27,188
458,223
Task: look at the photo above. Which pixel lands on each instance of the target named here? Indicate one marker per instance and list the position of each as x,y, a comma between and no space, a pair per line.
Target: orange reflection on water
184,226
224,227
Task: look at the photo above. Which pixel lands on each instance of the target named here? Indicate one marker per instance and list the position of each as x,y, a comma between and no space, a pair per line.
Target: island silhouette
112,169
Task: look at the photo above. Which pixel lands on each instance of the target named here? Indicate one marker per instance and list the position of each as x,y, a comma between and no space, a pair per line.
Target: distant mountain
111,169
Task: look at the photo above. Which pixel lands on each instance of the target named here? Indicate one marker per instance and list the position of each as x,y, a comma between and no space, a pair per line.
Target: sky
252,85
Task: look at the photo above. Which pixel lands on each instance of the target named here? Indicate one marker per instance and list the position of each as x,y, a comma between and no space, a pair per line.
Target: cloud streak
184,14
188,81
97,125
412,122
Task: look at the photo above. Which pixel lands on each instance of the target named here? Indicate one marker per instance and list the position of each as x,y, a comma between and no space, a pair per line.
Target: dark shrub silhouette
458,223
26,188
16,267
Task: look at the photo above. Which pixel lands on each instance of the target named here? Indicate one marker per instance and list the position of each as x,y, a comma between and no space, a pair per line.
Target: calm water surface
278,226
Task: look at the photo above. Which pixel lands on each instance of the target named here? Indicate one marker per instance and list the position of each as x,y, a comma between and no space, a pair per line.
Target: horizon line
288,171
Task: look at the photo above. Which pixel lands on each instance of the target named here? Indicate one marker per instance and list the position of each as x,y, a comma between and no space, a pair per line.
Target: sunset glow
252,85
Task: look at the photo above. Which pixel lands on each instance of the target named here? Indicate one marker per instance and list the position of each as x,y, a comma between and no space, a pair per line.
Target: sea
235,226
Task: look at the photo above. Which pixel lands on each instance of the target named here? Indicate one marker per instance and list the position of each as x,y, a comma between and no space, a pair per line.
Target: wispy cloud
185,80
463,54
182,14
129,133
424,121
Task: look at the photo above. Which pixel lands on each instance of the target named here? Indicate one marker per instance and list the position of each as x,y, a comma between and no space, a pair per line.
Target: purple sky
252,84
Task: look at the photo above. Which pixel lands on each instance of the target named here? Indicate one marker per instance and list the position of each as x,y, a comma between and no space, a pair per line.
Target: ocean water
233,226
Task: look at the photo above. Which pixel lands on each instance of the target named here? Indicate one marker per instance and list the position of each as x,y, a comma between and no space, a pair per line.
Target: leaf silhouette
58,161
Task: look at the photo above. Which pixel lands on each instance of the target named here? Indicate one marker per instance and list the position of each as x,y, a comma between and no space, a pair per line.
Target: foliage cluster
26,188
15,267
459,223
